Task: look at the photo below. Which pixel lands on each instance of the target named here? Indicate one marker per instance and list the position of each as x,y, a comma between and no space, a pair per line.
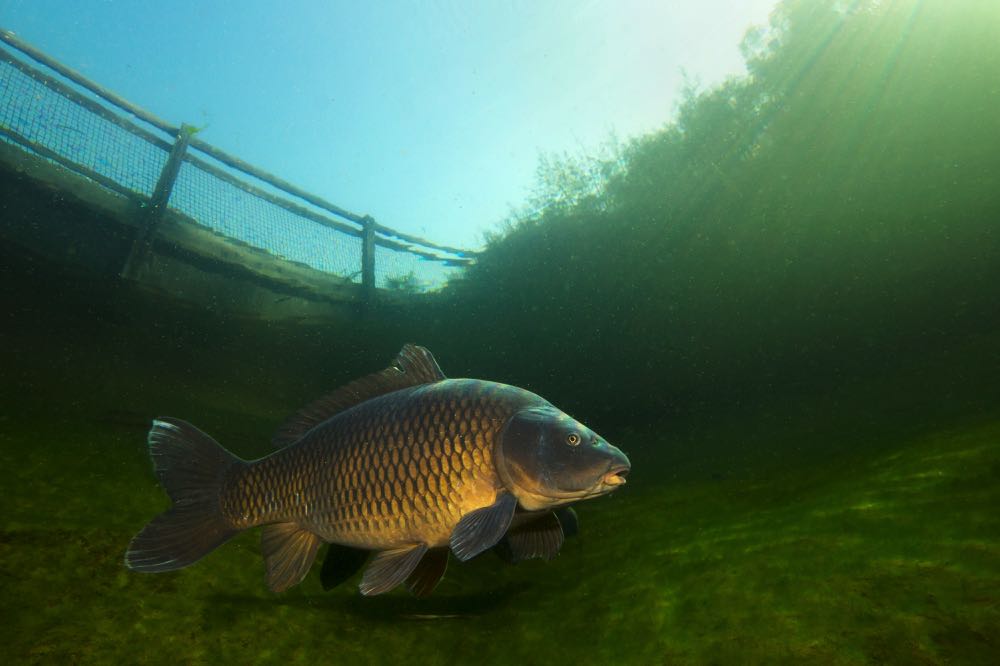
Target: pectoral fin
341,563
288,551
482,528
389,568
567,518
542,537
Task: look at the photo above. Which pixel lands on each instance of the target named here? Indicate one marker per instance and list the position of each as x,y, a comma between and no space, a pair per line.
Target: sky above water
430,116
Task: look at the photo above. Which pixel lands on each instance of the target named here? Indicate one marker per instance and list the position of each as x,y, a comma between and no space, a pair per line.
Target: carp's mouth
615,476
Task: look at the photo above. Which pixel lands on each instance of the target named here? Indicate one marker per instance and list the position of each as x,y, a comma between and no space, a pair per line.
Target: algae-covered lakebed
757,540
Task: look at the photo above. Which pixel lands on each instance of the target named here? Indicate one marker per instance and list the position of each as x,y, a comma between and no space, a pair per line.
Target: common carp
404,463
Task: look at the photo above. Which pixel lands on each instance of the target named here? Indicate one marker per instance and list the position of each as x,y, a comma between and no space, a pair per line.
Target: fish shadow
401,606
389,608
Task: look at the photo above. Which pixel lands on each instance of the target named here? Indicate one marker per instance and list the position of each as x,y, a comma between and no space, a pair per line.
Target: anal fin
289,551
429,572
389,568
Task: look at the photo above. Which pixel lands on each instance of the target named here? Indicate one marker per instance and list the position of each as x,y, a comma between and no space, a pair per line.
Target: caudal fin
191,467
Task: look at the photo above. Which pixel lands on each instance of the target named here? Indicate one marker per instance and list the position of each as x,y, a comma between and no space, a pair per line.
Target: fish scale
404,467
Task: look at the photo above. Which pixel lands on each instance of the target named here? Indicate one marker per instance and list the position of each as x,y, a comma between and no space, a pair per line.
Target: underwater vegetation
783,306
407,283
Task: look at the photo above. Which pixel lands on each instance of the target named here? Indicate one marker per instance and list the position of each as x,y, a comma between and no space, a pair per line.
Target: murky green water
784,309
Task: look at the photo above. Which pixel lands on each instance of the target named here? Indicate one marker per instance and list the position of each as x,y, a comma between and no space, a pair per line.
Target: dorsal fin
413,366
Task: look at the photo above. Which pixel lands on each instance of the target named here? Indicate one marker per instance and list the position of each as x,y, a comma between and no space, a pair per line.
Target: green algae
893,557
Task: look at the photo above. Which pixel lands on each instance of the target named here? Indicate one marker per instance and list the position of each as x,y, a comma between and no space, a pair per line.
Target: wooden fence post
368,261
150,214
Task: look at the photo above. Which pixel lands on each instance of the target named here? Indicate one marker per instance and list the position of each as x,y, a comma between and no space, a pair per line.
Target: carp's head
547,459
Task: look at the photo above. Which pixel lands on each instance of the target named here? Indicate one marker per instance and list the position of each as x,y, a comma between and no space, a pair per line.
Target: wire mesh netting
46,117
230,211
405,271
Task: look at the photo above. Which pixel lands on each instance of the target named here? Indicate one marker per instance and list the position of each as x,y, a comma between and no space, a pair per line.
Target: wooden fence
182,146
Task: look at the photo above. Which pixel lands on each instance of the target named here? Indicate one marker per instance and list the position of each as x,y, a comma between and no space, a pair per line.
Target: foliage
407,283
192,130
794,226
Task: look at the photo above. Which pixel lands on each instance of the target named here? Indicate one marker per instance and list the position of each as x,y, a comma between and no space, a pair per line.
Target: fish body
404,463
400,468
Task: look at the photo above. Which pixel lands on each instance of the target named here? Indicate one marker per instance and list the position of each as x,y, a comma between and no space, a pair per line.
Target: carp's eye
572,439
